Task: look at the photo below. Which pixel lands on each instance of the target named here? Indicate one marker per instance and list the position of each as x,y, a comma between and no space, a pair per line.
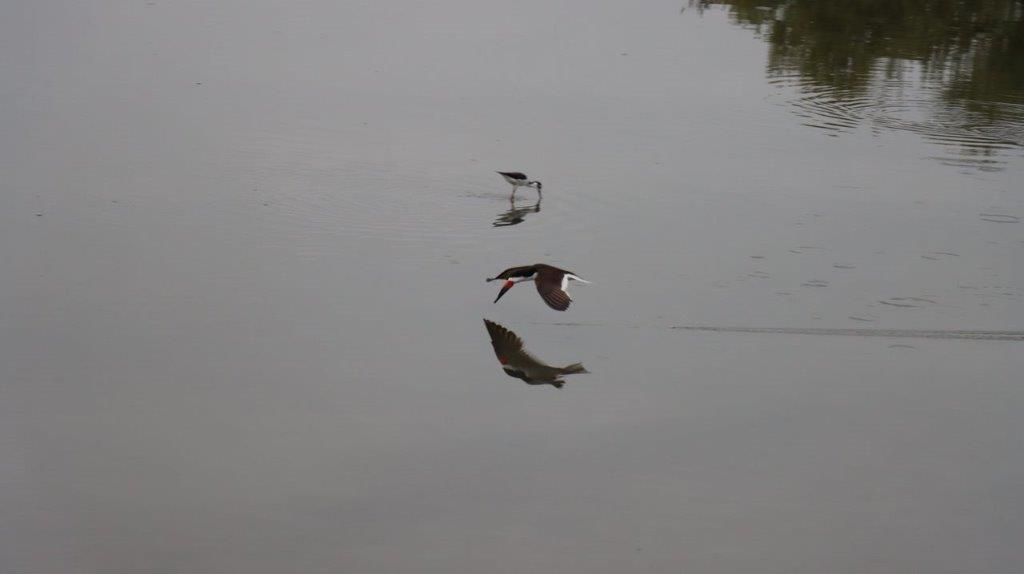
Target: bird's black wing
553,295
508,347
513,174
524,271
505,342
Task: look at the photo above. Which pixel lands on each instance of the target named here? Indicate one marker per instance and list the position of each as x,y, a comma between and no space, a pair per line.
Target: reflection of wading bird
519,364
516,215
518,179
551,283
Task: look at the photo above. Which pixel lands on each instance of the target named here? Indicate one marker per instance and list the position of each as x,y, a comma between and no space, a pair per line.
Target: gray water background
242,253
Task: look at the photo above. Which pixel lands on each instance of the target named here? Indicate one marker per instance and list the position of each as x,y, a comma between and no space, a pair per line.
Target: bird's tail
574,369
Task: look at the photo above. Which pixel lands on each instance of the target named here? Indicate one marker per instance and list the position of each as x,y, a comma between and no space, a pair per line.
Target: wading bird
518,179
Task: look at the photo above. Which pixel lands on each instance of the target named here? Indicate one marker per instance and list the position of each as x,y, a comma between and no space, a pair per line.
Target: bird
518,363
518,179
551,283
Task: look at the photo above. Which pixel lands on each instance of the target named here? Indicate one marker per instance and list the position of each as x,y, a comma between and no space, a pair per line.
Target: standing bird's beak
508,285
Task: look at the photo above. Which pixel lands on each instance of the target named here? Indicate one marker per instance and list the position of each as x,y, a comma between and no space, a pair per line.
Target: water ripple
971,335
893,333
899,104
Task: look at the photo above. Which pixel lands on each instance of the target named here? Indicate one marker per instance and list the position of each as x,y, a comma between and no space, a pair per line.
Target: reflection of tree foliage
972,49
977,44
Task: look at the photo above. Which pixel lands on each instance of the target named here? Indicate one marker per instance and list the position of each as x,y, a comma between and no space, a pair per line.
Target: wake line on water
892,333
897,333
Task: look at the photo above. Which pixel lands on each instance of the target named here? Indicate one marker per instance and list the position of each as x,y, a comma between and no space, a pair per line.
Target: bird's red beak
508,285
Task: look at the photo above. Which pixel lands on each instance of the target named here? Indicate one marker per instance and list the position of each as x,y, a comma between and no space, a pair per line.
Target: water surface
244,248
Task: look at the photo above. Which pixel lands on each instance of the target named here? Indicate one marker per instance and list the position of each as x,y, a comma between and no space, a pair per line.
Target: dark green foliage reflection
958,63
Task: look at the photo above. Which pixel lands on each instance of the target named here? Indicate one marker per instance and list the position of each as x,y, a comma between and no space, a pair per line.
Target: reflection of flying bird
551,283
518,179
516,215
522,365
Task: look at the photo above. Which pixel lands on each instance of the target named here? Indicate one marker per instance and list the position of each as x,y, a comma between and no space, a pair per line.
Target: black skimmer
551,283
518,179
516,215
517,363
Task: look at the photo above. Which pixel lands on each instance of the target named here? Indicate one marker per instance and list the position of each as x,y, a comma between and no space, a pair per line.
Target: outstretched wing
509,347
506,343
553,295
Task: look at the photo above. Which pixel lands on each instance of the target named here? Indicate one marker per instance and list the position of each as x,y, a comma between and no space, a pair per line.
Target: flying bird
516,362
518,179
551,283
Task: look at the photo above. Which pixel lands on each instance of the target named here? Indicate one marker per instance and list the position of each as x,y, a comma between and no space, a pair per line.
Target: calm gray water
243,249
